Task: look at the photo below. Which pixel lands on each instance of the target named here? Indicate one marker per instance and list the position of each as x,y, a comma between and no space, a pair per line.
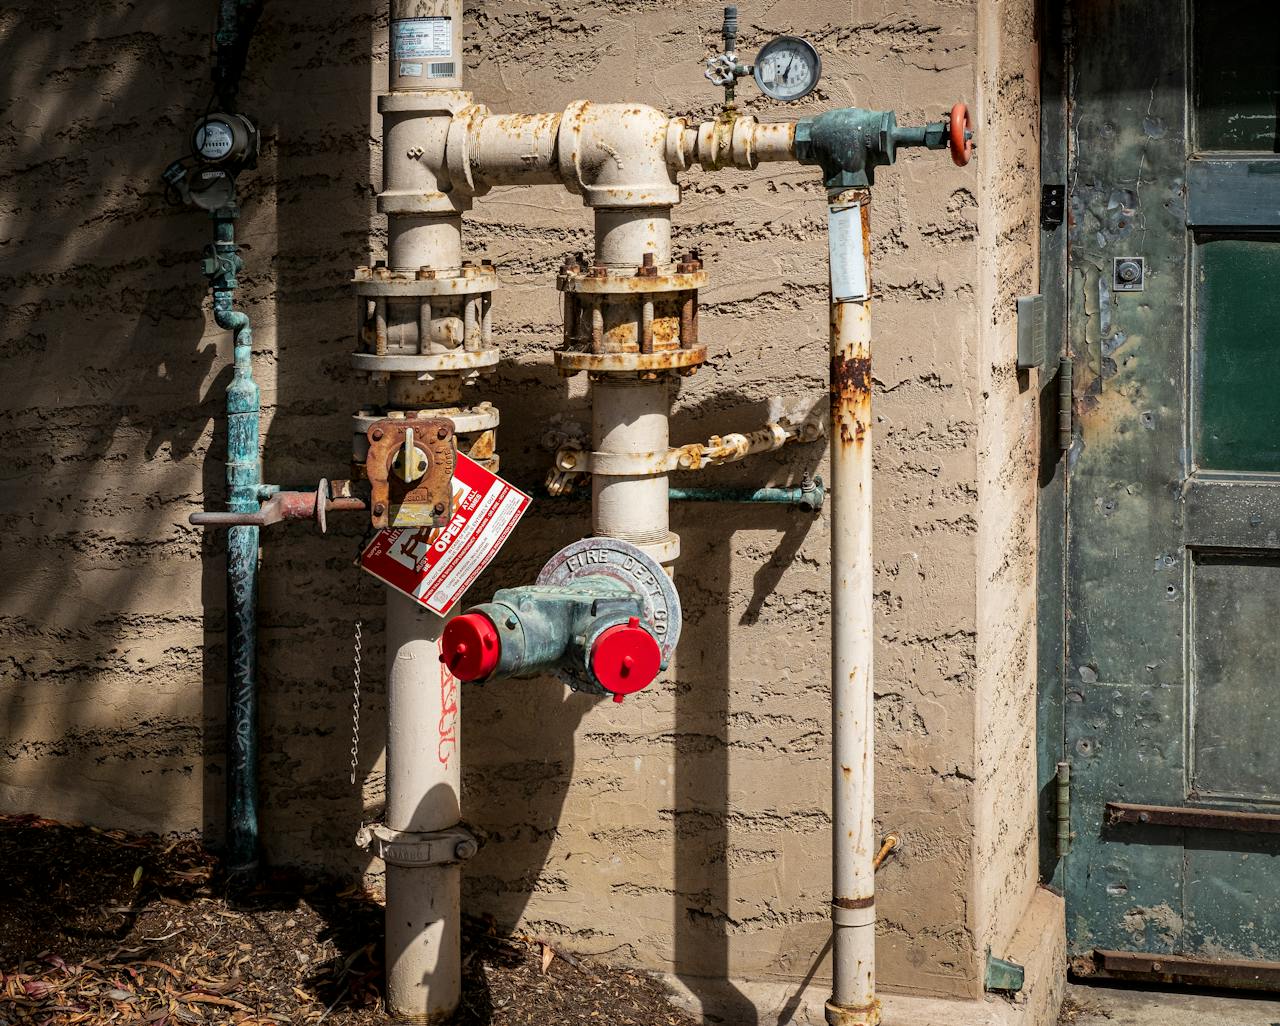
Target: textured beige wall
686,830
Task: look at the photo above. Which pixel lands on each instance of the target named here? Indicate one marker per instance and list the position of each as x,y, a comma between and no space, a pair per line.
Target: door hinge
1062,815
1066,424
1051,209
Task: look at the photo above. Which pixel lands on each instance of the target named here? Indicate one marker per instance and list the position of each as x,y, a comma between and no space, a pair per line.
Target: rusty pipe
853,909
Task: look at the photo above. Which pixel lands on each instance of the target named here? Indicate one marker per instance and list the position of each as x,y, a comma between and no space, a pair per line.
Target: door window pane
1238,354
1237,75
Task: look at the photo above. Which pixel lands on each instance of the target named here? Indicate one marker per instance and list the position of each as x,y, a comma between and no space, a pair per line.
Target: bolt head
442,434
379,509
438,509
376,434
465,849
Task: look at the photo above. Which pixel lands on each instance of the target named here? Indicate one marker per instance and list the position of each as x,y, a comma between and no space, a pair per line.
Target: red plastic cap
626,658
470,646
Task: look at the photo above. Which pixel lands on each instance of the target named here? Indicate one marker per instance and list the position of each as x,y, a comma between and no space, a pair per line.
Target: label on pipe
417,38
848,257
436,565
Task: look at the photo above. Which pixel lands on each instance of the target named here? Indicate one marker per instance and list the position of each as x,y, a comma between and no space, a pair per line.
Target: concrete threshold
1039,945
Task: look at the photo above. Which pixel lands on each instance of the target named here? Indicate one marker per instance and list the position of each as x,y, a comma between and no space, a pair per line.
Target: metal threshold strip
1202,819
1223,971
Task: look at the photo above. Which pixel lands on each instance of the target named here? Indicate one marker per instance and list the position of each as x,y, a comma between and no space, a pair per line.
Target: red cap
626,658
470,646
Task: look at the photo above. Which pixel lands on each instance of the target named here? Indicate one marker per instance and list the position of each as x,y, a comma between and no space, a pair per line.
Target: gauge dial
787,68
214,139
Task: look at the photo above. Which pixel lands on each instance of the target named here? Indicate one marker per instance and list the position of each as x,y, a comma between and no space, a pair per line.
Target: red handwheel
961,130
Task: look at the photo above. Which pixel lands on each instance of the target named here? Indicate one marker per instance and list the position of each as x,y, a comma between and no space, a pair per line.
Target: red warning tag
436,565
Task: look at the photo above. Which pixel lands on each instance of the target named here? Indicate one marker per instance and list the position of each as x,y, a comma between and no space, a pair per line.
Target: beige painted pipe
424,229
853,910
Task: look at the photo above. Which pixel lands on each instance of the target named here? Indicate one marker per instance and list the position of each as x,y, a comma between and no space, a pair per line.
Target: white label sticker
421,37
410,70
436,565
848,258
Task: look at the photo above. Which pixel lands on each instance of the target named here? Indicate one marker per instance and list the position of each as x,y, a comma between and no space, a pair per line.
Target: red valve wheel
961,130
470,646
625,659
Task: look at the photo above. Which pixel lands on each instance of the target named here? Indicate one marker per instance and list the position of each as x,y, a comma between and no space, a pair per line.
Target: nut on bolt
465,849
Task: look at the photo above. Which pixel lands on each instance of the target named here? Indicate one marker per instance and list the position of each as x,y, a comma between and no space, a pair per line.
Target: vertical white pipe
423,938
423,913
630,416
853,1000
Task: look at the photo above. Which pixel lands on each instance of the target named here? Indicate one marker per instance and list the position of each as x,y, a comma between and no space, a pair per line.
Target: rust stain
850,393
854,903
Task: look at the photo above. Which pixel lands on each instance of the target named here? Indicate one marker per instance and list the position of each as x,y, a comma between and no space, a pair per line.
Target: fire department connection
604,614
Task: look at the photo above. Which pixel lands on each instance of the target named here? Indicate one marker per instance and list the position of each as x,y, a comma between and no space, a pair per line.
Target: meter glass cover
213,140
787,68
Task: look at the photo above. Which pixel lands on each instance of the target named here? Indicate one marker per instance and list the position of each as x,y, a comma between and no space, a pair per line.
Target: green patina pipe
244,488
808,497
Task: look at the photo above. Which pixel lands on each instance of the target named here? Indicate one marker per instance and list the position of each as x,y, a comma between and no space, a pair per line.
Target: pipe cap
470,646
625,659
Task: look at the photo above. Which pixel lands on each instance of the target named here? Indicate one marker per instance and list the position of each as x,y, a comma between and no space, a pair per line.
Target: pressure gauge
787,68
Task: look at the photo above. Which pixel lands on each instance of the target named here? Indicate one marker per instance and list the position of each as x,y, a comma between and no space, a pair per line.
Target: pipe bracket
415,850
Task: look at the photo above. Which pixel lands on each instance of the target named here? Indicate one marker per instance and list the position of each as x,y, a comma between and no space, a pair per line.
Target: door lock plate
1128,274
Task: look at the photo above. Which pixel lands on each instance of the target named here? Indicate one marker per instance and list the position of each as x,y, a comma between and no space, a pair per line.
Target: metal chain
355,708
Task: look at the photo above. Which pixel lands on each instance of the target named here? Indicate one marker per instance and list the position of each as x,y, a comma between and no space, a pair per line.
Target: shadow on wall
112,676
113,426
518,803
111,392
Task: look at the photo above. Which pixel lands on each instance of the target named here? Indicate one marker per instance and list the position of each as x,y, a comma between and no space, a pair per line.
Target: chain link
355,708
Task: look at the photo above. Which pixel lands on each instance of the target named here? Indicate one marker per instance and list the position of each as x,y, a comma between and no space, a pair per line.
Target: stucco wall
686,830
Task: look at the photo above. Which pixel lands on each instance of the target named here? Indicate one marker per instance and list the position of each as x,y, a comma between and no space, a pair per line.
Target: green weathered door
1172,637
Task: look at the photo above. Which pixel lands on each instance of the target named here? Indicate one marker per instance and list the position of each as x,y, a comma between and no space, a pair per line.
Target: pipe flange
380,282
610,281
417,850
674,361
839,1015
425,366
465,419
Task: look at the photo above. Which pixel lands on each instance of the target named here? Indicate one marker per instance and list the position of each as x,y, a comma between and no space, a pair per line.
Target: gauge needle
788,67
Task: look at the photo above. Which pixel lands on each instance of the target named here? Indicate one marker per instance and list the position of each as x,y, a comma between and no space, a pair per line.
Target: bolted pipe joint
603,617
850,143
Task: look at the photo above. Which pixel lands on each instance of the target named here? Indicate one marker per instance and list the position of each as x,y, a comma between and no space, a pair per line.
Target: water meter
222,145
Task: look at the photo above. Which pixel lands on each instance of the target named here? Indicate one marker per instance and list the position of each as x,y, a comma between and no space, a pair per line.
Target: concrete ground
1098,1005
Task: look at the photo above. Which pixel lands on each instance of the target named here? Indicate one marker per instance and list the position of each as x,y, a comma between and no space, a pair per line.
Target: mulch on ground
101,926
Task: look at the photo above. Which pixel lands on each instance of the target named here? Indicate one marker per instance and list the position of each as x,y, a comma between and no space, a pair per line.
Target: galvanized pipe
853,912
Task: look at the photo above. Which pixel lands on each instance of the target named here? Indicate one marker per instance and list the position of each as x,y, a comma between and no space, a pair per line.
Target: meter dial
214,139
787,68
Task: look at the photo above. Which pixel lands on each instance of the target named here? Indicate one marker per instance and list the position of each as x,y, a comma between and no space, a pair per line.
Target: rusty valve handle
960,135
285,506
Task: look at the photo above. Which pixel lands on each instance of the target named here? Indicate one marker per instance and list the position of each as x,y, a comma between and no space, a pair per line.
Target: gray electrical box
1031,332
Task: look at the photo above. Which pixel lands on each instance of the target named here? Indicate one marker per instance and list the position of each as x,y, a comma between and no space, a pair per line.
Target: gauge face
787,68
214,140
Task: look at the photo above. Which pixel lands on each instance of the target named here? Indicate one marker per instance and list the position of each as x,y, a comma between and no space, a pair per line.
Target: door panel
1172,650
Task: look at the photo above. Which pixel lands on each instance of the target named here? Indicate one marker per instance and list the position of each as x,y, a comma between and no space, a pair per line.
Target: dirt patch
101,926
